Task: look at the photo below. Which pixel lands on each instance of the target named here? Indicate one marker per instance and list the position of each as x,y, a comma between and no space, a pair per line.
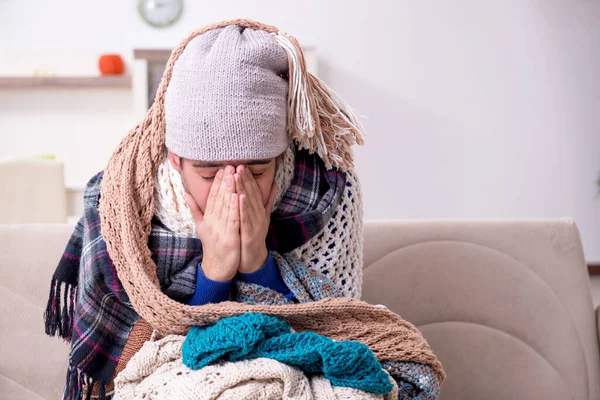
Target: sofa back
506,306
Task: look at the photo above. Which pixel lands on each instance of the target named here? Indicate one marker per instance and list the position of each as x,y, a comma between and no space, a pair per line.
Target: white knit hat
227,98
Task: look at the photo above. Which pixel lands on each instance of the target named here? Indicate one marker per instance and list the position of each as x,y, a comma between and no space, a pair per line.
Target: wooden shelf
65,82
152,55
162,55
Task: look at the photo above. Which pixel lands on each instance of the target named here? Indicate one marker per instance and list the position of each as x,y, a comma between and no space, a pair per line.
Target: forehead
235,163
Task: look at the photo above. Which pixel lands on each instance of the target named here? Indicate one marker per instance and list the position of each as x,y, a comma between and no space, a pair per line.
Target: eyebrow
203,164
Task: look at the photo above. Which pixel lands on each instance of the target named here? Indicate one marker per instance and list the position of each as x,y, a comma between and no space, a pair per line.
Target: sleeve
209,291
269,277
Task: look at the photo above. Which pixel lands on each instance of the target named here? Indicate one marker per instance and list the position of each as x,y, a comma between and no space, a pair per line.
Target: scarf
99,324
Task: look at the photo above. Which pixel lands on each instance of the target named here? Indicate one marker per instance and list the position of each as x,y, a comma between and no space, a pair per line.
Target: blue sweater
210,291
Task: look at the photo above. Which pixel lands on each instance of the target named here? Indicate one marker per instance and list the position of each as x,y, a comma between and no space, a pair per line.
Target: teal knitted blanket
249,336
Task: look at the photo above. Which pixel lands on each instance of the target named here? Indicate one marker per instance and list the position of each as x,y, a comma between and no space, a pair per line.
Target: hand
255,218
219,227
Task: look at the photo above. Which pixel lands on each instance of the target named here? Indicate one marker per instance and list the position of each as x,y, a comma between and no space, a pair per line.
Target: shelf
162,55
65,82
152,55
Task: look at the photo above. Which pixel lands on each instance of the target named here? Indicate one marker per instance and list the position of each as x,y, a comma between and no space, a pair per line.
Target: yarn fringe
58,317
318,119
80,386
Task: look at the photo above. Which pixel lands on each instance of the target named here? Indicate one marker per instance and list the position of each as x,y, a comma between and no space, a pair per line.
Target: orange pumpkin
111,64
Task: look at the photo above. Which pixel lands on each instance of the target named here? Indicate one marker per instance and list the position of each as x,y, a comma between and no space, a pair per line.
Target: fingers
249,216
239,180
214,192
228,190
233,220
194,208
240,183
269,206
246,215
251,190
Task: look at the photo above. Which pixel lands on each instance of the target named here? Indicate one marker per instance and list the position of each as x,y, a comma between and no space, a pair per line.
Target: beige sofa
506,306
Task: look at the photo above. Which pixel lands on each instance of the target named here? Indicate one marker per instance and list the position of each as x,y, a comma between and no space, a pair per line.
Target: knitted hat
233,63
227,99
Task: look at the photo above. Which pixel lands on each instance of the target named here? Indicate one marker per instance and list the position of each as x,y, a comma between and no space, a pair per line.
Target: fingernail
228,170
220,173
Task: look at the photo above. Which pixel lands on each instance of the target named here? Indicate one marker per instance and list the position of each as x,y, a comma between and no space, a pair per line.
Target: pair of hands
234,225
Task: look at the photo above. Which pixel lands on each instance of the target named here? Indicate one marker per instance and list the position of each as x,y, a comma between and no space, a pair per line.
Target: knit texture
250,336
227,99
335,251
157,372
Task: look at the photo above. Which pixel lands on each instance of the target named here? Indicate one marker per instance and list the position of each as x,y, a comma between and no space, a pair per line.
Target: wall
474,109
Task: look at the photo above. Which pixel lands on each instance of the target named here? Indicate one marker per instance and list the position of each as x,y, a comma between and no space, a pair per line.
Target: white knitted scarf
336,252
156,371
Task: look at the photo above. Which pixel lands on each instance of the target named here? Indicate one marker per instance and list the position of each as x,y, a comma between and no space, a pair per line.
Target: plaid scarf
89,307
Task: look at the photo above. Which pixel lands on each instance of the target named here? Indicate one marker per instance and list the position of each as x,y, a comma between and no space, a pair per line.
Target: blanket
157,372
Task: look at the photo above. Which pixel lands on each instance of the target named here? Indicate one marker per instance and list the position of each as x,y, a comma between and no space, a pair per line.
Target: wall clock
160,13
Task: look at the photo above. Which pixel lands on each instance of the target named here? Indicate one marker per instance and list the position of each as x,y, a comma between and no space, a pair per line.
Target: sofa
505,305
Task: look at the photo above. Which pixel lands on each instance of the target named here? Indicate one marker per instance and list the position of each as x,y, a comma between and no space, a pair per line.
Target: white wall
476,109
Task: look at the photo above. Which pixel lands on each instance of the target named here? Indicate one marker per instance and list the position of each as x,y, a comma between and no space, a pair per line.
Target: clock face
160,13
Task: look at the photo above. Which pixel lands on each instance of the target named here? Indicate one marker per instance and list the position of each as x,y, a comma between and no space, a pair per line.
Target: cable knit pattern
157,372
250,336
336,252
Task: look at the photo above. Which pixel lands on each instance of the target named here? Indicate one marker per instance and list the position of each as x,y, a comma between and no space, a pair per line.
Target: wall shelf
65,82
152,55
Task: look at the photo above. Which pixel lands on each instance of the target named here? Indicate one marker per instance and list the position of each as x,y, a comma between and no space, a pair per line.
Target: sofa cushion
32,365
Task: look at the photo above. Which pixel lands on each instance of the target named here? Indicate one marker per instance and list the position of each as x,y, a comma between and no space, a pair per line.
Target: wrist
213,272
255,260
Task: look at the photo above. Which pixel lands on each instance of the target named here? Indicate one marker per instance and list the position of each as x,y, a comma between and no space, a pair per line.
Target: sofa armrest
598,323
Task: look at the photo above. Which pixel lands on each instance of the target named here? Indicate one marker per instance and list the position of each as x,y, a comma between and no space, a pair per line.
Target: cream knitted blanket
157,372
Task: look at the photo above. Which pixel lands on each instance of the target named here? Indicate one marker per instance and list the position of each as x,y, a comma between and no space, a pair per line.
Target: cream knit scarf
320,122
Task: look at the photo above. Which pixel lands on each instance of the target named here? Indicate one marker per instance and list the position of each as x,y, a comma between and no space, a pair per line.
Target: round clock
160,13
